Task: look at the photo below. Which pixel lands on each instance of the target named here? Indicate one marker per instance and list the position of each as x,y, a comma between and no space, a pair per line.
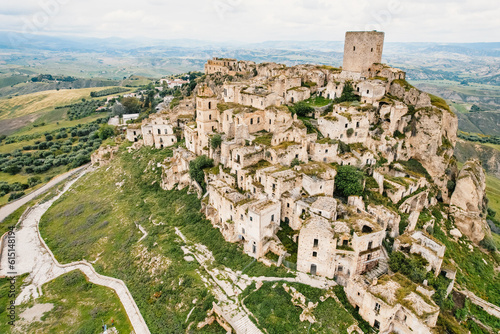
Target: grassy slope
79,307
98,218
41,101
274,310
51,125
493,193
5,300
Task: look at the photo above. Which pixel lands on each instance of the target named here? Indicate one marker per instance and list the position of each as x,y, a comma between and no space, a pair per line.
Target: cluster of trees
49,77
474,108
16,189
83,109
109,91
65,147
482,139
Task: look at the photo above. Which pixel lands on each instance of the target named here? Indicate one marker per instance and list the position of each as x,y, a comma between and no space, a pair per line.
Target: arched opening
366,229
209,105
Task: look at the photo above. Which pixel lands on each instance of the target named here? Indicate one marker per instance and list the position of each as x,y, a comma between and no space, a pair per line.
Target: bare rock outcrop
432,143
468,201
103,155
410,95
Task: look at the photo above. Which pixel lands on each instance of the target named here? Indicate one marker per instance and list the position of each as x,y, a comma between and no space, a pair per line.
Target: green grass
136,81
23,178
276,313
478,276
12,80
493,193
317,101
97,218
459,107
52,123
79,307
495,146
439,102
5,300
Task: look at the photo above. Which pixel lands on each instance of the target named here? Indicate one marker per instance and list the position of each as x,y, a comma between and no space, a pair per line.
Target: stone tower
361,50
207,115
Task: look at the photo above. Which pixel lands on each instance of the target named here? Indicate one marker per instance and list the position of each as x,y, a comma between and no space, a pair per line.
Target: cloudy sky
257,20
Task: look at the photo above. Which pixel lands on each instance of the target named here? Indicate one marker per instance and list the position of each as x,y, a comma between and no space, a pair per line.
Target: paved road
33,256
7,209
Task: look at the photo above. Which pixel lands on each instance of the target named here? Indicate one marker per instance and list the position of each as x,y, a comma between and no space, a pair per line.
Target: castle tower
361,50
207,115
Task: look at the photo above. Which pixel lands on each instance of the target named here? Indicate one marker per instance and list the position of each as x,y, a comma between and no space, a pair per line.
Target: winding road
9,208
34,257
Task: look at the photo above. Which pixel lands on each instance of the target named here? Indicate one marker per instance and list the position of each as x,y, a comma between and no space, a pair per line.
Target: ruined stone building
273,168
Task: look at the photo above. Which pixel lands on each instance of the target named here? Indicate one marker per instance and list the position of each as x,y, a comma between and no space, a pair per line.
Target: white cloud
260,20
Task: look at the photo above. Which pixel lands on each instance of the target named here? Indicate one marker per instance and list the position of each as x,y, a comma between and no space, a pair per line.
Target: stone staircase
379,270
243,324
237,318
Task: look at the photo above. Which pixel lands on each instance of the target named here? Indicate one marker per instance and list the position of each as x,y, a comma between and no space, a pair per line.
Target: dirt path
7,209
34,257
227,285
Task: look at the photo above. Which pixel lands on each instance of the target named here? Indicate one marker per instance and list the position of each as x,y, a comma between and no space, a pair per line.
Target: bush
347,94
215,141
413,266
106,131
302,109
196,168
15,195
348,181
488,244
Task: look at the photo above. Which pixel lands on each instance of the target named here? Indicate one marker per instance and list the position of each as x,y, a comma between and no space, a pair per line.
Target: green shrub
348,181
196,168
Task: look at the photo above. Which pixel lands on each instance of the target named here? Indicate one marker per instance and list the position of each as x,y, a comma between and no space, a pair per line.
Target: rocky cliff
489,157
468,201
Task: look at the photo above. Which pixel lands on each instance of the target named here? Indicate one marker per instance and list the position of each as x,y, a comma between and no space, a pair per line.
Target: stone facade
362,49
393,304
274,170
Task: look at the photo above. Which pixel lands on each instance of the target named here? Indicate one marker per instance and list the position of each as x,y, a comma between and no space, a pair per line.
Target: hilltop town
280,149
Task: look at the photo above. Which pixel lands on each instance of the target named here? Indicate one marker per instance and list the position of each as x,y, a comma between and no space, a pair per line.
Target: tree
106,131
215,141
132,105
118,109
196,168
474,108
302,109
348,181
347,94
